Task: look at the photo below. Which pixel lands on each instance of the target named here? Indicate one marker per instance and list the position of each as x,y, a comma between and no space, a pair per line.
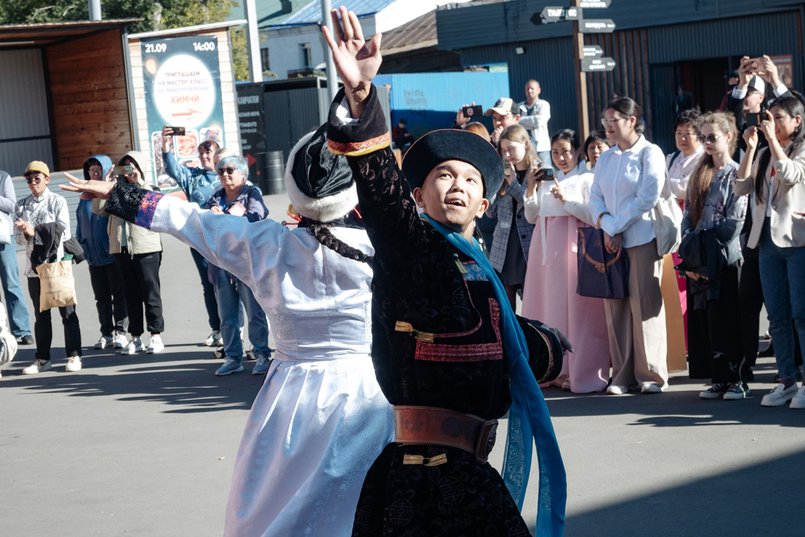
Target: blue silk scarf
529,420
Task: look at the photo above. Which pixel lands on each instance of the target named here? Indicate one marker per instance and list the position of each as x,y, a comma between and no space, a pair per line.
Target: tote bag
5,228
601,274
57,287
666,217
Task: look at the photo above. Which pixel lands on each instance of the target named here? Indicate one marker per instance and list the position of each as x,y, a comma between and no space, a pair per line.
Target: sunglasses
33,180
710,138
230,171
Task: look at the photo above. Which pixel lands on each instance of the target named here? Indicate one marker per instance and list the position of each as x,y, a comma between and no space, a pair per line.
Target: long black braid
323,234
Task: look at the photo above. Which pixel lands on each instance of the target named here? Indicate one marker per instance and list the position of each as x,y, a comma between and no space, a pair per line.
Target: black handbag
601,274
546,348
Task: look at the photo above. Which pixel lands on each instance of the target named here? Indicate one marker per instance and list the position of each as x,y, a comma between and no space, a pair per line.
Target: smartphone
548,174
126,169
472,111
178,131
754,119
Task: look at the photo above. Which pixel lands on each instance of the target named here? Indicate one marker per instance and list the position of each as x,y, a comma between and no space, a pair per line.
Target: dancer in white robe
320,419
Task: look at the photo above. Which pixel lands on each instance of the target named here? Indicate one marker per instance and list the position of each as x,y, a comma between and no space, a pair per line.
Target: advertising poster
182,89
252,132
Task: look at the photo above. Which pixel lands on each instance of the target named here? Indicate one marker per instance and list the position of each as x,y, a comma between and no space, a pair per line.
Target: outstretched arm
356,61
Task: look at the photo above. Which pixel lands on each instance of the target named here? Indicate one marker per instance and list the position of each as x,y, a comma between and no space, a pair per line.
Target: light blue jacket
91,228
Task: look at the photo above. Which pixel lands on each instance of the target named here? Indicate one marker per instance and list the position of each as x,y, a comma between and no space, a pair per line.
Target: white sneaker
798,401
139,346
155,345
128,349
214,339
614,389
650,387
120,340
104,342
779,396
73,364
37,367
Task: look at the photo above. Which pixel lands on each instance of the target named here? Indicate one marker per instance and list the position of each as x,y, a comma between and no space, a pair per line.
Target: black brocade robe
422,280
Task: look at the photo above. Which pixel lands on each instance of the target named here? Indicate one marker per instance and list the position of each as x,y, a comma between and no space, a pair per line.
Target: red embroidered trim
356,149
478,352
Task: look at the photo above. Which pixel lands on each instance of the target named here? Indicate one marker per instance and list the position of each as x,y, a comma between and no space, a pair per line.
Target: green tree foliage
162,15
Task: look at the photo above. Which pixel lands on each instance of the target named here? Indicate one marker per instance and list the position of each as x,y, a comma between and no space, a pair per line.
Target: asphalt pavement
144,445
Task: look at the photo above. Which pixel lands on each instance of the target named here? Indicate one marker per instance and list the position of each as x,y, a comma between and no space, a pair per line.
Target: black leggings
140,274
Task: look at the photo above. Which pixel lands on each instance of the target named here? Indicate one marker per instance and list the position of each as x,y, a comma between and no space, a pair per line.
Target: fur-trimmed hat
453,144
319,183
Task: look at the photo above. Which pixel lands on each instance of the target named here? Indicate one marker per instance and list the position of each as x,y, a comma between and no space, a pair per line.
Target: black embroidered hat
440,145
319,183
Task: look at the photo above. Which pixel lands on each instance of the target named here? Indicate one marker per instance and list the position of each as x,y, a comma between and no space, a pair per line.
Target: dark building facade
658,46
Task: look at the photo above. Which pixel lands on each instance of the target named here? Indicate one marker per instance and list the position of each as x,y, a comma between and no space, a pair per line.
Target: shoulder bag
666,218
57,286
5,228
601,274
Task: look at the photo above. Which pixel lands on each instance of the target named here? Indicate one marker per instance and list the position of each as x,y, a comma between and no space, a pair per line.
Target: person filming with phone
748,98
198,184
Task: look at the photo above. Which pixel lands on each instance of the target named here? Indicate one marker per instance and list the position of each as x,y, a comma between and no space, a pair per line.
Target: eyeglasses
710,138
230,171
612,121
34,180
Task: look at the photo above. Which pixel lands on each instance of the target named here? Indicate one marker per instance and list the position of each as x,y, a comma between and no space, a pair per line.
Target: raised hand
356,61
751,138
101,189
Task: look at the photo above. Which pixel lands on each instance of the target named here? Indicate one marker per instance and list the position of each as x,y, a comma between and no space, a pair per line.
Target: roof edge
188,29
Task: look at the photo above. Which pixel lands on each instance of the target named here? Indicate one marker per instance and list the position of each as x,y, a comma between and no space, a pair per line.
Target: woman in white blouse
628,179
559,208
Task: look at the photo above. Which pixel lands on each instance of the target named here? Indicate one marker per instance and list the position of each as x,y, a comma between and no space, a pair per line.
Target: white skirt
314,430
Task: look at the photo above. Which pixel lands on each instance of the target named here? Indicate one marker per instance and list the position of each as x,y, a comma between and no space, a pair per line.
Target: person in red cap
447,349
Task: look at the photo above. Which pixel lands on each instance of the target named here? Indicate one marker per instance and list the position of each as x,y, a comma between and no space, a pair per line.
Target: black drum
546,348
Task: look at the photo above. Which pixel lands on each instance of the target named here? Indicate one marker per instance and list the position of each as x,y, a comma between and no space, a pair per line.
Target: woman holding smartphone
558,207
777,180
627,183
138,254
512,236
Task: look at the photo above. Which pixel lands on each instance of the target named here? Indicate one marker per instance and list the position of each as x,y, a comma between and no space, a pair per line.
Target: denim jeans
208,289
782,273
15,299
230,292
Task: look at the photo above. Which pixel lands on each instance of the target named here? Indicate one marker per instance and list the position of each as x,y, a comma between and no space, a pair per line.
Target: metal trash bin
275,173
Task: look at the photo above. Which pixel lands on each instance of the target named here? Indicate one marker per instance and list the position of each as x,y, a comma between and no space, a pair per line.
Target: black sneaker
27,339
737,390
716,391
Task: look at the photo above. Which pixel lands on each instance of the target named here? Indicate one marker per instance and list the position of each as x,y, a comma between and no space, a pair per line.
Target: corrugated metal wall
289,114
643,56
509,22
24,111
549,61
772,33
630,77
